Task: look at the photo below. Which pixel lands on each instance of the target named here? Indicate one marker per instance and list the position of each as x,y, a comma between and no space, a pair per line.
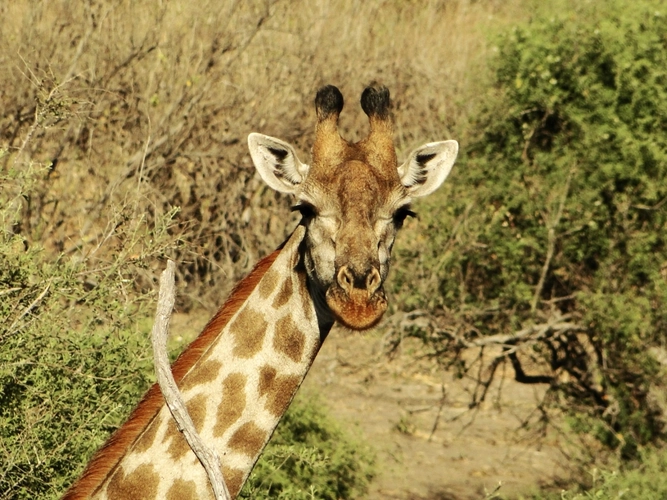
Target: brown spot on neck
248,439
268,283
234,479
182,490
233,403
285,293
140,484
248,329
288,339
278,389
267,375
201,374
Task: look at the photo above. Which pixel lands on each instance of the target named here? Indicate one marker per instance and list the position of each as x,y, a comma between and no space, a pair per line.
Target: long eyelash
402,213
306,209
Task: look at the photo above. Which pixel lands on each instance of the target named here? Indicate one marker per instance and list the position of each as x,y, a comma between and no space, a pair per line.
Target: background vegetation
554,253
123,142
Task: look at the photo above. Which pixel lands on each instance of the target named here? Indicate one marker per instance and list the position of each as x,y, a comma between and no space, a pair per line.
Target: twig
551,243
443,400
208,458
143,162
26,311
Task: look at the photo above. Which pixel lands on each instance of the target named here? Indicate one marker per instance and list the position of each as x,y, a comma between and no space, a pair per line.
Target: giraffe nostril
345,279
348,280
373,281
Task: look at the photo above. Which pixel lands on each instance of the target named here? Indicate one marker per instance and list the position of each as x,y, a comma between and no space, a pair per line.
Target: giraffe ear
427,167
277,163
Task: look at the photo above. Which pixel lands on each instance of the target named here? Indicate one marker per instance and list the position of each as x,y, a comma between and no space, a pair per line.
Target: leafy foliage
72,344
310,457
71,367
644,479
557,217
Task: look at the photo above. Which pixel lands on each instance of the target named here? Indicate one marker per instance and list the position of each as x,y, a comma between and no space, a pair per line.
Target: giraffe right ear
277,163
427,167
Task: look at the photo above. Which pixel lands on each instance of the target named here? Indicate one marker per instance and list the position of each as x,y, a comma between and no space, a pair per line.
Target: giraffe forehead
353,186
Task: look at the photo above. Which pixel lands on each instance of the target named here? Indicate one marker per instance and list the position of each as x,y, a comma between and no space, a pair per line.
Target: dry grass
135,107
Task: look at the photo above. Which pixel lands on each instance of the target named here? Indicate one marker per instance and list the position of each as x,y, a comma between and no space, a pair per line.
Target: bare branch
208,457
551,242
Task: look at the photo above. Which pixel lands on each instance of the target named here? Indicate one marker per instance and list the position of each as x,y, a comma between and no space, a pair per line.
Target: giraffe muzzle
357,299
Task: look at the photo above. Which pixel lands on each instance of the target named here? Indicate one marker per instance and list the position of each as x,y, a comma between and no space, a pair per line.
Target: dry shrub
138,107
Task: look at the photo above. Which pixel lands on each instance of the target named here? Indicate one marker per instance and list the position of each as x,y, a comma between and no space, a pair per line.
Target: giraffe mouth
357,309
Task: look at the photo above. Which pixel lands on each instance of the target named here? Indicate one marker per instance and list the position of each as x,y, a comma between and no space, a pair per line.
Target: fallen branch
557,325
208,457
534,332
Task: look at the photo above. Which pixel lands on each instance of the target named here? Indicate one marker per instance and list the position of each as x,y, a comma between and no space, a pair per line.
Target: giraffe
240,375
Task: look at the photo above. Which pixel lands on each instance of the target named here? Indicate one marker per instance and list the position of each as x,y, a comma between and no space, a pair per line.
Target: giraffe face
353,199
351,221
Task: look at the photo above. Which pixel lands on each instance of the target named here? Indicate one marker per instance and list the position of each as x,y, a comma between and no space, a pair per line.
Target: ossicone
375,101
328,101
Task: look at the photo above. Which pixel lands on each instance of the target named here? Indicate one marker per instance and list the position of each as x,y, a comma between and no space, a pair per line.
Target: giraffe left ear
427,167
277,163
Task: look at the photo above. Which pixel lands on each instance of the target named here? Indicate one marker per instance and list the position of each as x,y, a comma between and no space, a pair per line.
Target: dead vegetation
135,108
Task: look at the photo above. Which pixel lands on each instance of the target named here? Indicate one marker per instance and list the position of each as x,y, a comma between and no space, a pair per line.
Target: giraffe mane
108,457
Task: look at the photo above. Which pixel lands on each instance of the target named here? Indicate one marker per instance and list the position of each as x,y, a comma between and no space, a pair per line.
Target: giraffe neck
237,379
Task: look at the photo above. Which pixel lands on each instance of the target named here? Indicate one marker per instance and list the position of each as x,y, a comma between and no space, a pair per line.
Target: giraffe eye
401,214
307,210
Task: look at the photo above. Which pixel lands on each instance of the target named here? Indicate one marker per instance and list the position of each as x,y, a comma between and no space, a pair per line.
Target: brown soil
395,405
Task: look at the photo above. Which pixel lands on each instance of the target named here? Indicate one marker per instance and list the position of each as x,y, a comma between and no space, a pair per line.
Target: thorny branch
208,457
15,324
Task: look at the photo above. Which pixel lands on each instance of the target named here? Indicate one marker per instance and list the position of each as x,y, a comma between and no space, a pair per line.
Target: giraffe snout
369,280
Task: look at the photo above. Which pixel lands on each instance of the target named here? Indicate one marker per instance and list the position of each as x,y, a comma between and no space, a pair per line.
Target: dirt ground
394,405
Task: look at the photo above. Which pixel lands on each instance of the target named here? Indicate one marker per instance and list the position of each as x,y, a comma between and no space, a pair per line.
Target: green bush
310,457
644,480
556,214
73,344
72,365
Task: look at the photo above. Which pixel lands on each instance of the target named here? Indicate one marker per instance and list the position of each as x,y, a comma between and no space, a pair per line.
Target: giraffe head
353,198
